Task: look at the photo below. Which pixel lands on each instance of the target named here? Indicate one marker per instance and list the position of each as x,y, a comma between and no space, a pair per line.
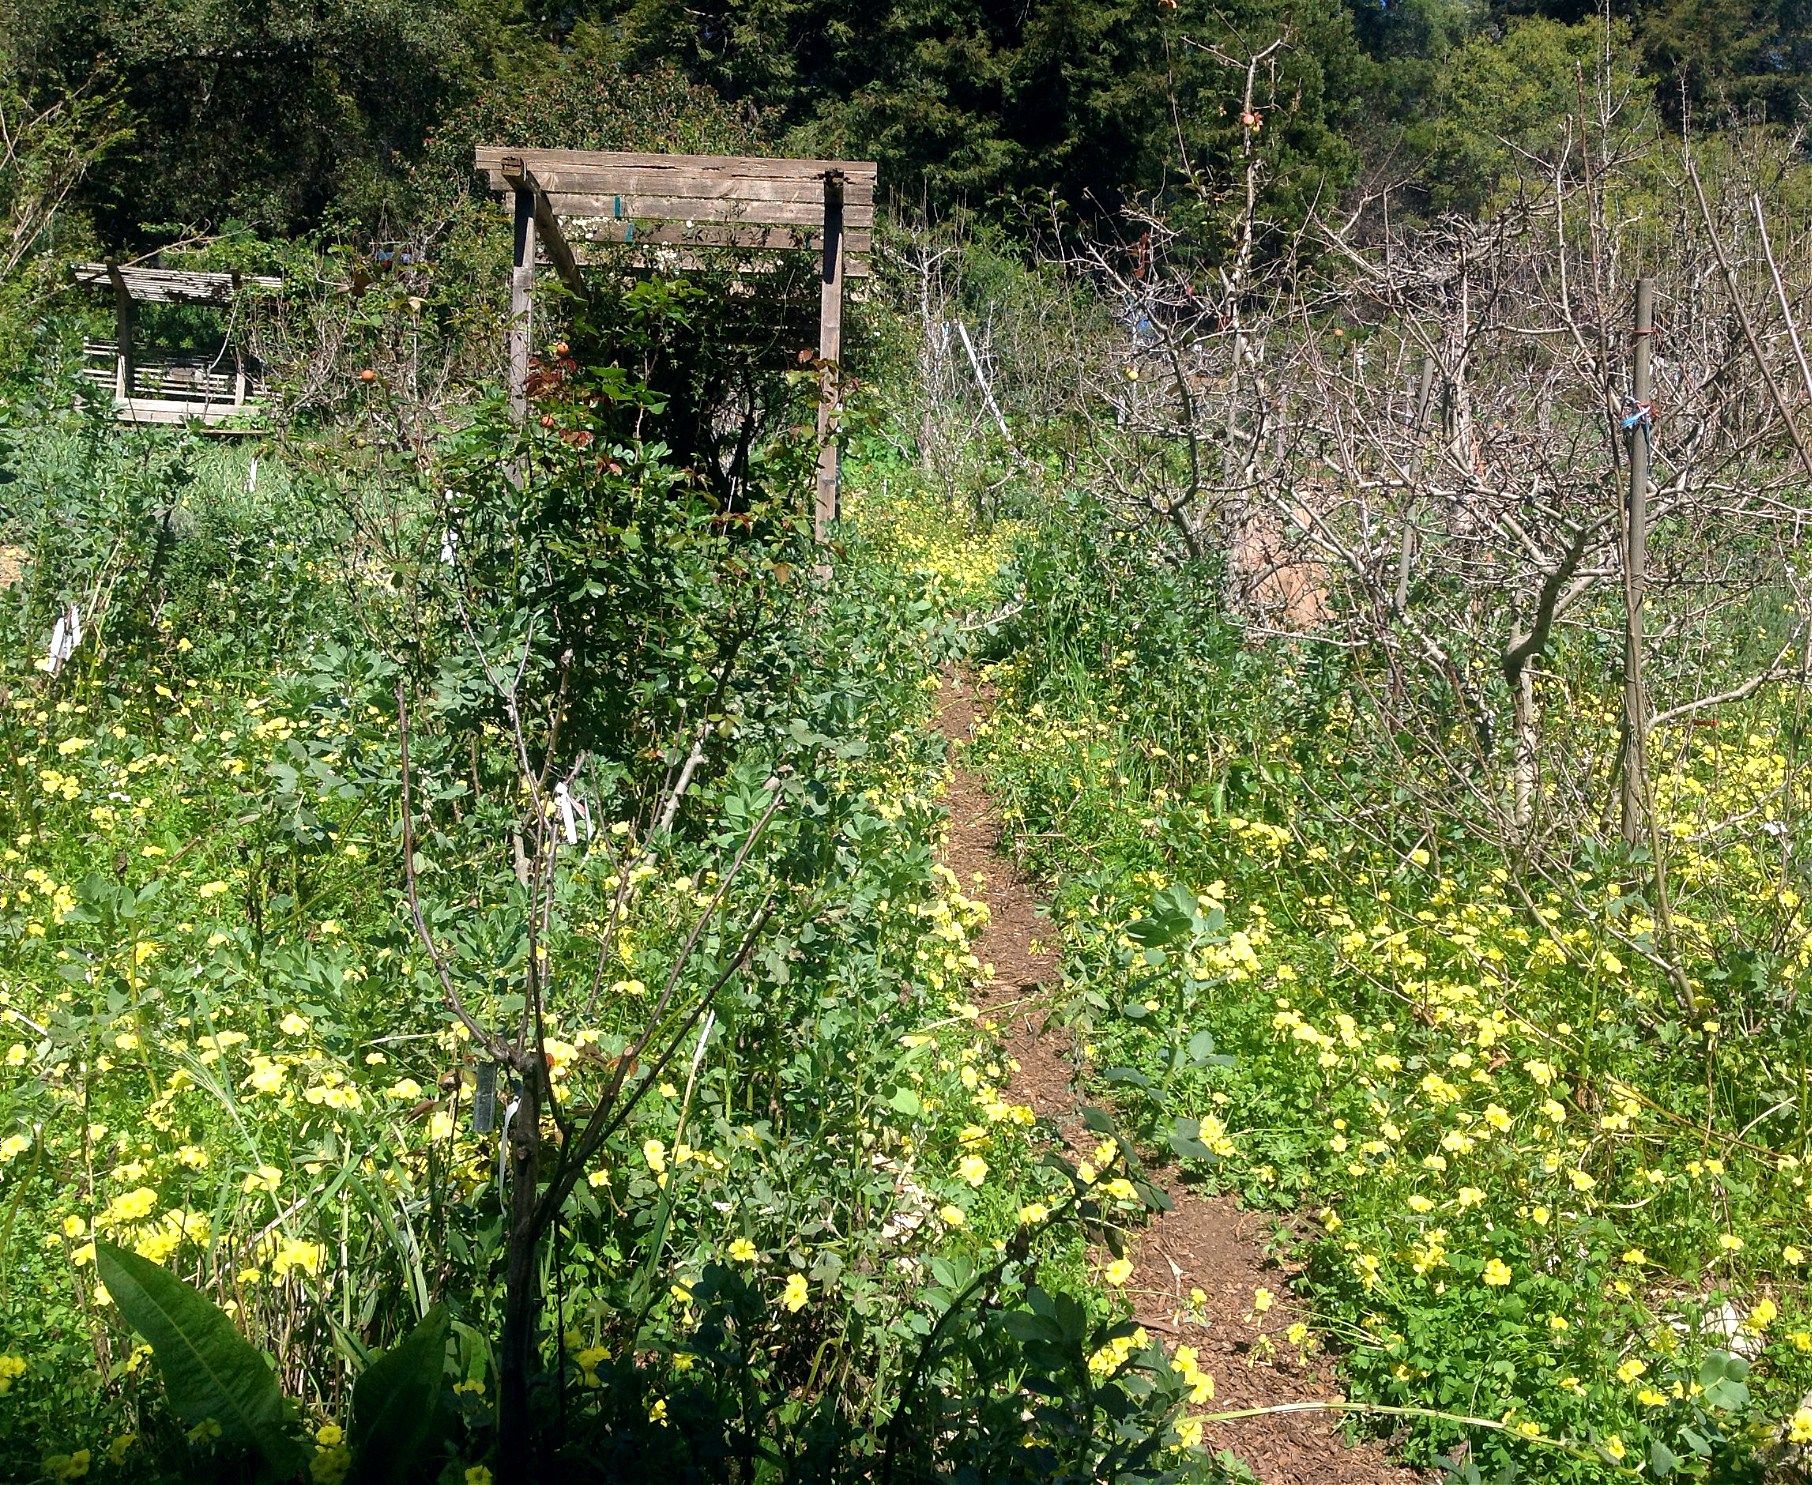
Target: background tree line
355,119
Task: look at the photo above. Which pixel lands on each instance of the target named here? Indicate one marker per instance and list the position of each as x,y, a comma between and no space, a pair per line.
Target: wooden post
830,356
522,292
548,234
1638,422
125,365
1424,391
1406,554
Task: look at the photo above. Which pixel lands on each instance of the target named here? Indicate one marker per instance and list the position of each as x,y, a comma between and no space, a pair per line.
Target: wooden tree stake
1638,421
830,356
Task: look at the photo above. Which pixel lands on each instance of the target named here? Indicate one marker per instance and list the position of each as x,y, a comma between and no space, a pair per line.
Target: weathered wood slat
170,285
597,230
695,185
489,159
175,410
618,207
675,258
807,191
182,376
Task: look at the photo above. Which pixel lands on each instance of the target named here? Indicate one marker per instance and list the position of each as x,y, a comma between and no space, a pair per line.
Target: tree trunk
521,1299
1527,745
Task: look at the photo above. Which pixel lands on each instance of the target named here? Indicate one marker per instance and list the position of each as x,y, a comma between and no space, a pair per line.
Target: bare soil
1206,1242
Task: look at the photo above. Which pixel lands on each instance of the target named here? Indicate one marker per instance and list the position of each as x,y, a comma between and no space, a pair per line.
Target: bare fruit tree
1553,529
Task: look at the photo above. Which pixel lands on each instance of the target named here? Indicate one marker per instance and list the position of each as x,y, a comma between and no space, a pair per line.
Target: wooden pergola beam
547,223
696,204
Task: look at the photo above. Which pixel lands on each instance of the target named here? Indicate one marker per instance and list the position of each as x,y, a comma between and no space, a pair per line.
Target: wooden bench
169,386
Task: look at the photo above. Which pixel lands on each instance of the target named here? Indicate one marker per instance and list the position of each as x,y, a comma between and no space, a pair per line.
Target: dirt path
1206,1242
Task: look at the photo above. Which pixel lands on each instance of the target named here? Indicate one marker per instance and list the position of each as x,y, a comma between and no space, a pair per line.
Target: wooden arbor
156,386
685,212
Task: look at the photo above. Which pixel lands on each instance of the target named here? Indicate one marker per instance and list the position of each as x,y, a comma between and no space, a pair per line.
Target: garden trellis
683,213
166,385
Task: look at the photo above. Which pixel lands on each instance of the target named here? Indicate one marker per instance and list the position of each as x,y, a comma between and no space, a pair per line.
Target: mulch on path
1206,1242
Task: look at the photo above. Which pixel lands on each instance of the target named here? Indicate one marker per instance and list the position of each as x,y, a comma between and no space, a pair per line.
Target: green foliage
215,1380
1747,58
1090,102
317,105
1506,98
1545,1196
824,1215
396,1404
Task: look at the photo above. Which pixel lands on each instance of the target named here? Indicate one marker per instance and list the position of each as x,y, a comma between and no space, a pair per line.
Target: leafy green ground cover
1556,1200
227,1053
1547,1190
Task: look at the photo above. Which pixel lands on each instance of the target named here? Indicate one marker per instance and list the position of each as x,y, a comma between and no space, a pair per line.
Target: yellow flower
1762,1316
973,1169
329,1434
1118,1272
477,1474
743,1251
265,1178
1497,1273
294,1024
1032,1213
1799,1427
1613,1446
951,1216
1631,1369
655,1153
292,1253
1791,1254
798,1293
1262,1300
132,1206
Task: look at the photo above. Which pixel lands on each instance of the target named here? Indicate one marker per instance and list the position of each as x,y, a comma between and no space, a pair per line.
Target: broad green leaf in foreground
394,1403
209,1369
